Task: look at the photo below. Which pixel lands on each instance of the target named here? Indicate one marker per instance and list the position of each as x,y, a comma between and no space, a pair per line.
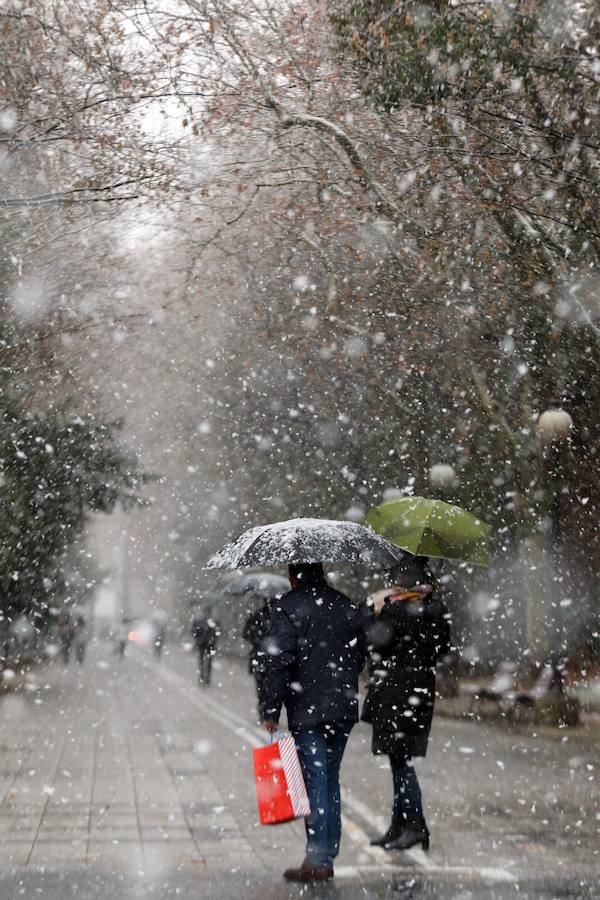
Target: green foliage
54,468
426,51
510,98
508,135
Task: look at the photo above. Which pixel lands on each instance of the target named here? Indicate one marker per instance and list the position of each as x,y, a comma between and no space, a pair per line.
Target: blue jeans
408,807
320,752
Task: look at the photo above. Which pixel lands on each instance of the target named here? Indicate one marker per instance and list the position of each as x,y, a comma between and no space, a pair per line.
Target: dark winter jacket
316,652
205,632
405,641
255,632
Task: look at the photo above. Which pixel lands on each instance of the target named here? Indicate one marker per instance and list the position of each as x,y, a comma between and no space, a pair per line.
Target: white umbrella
299,541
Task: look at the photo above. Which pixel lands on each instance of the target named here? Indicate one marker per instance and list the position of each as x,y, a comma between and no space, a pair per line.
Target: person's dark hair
307,572
412,570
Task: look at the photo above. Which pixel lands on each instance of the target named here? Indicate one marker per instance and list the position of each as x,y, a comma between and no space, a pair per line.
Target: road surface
124,779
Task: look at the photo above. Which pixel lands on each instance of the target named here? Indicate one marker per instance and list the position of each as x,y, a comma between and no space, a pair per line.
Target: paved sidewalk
123,779
116,780
98,767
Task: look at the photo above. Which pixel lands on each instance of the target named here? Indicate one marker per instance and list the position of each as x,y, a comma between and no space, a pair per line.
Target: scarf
401,594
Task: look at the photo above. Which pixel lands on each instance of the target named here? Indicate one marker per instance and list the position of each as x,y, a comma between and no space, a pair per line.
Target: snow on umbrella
261,584
433,528
307,541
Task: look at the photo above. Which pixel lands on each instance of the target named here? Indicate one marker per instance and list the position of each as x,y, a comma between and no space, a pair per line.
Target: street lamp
555,426
442,478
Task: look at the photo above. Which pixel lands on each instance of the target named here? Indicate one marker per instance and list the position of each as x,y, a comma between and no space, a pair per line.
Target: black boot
393,832
409,836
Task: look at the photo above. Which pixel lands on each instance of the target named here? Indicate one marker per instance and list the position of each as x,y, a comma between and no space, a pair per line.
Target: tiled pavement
123,780
97,768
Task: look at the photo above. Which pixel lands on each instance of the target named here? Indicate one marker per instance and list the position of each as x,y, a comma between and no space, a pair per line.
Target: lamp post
442,479
555,426
125,573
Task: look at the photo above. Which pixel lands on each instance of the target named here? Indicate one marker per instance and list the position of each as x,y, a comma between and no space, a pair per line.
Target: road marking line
366,814
491,873
240,730
349,871
255,738
363,842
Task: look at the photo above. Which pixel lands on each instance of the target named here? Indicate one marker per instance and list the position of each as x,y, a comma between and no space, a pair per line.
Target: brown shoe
307,873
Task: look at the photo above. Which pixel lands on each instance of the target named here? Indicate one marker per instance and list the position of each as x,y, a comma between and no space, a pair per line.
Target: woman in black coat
407,632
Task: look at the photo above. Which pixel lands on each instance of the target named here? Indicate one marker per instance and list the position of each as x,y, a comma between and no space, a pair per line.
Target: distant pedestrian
407,632
256,631
66,632
80,638
159,638
316,651
121,638
205,632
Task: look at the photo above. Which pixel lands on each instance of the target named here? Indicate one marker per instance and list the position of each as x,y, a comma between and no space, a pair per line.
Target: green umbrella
433,528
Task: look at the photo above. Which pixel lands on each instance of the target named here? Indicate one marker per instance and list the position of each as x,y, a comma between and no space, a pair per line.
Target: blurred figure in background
205,632
121,638
407,632
159,626
256,631
65,630
80,638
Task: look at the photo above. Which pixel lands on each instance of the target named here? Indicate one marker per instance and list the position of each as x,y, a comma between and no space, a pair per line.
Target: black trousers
408,805
204,665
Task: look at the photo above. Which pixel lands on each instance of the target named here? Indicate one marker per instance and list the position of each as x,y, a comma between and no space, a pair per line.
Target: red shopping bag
280,788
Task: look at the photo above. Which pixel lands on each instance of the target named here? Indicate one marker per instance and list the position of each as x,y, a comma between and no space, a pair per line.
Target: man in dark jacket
316,651
205,631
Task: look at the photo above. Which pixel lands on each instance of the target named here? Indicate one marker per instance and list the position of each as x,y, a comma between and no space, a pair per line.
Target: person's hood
411,571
